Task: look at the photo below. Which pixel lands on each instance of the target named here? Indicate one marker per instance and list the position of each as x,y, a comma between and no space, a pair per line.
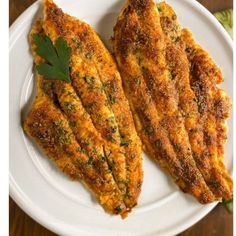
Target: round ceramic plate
66,207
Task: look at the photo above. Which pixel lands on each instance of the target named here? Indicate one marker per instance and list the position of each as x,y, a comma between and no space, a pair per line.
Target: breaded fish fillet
140,49
50,130
213,105
195,113
97,82
95,108
63,140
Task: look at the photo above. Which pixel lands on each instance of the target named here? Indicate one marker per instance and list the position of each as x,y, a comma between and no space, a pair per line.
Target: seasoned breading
75,137
112,85
50,130
170,84
96,80
140,49
95,110
188,101
213,105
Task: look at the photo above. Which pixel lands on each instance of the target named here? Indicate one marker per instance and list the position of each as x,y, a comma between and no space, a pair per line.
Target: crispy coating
112,85
95,108
97,82
140,49
87,84
189,102
47,126
213,106
57,136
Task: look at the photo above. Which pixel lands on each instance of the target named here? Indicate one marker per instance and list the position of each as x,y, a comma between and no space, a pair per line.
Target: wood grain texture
217,5
217,223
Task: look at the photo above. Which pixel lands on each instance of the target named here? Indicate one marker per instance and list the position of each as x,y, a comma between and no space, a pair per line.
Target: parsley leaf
57,57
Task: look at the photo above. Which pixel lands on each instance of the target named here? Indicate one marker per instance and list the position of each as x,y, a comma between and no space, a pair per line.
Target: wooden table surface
217,223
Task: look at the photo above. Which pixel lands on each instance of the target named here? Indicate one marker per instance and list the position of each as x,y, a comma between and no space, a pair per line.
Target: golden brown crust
47,126
206,131
95,107
112,86
213,105
179,69
87,84
83,133
98,83
140,51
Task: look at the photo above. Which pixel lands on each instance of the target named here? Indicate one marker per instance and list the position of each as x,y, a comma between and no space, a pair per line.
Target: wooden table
217,223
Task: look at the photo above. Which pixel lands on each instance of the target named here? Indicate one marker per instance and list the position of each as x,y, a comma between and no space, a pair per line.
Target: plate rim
21,200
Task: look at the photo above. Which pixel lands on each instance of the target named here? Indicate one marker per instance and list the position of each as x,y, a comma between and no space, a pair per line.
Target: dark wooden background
217,223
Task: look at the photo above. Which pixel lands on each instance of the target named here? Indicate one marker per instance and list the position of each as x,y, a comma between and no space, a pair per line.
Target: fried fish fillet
96,80
95,107
140,49
197,105
63,143
50,130
213,105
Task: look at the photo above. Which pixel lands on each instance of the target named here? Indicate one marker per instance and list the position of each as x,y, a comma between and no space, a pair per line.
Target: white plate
65,207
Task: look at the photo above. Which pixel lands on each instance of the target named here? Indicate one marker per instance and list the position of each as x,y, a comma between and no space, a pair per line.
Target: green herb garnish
77,44
177,147
124,143
88,55
112,99
103,88
89,80
214,184
69,105
57,58
111,119
90,161
149,130
58,123
110,138
118,210
79,149
226,19
94,151
137,80
158,144
228,204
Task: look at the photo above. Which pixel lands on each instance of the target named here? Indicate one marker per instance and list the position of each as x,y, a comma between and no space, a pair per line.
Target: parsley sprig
57,58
